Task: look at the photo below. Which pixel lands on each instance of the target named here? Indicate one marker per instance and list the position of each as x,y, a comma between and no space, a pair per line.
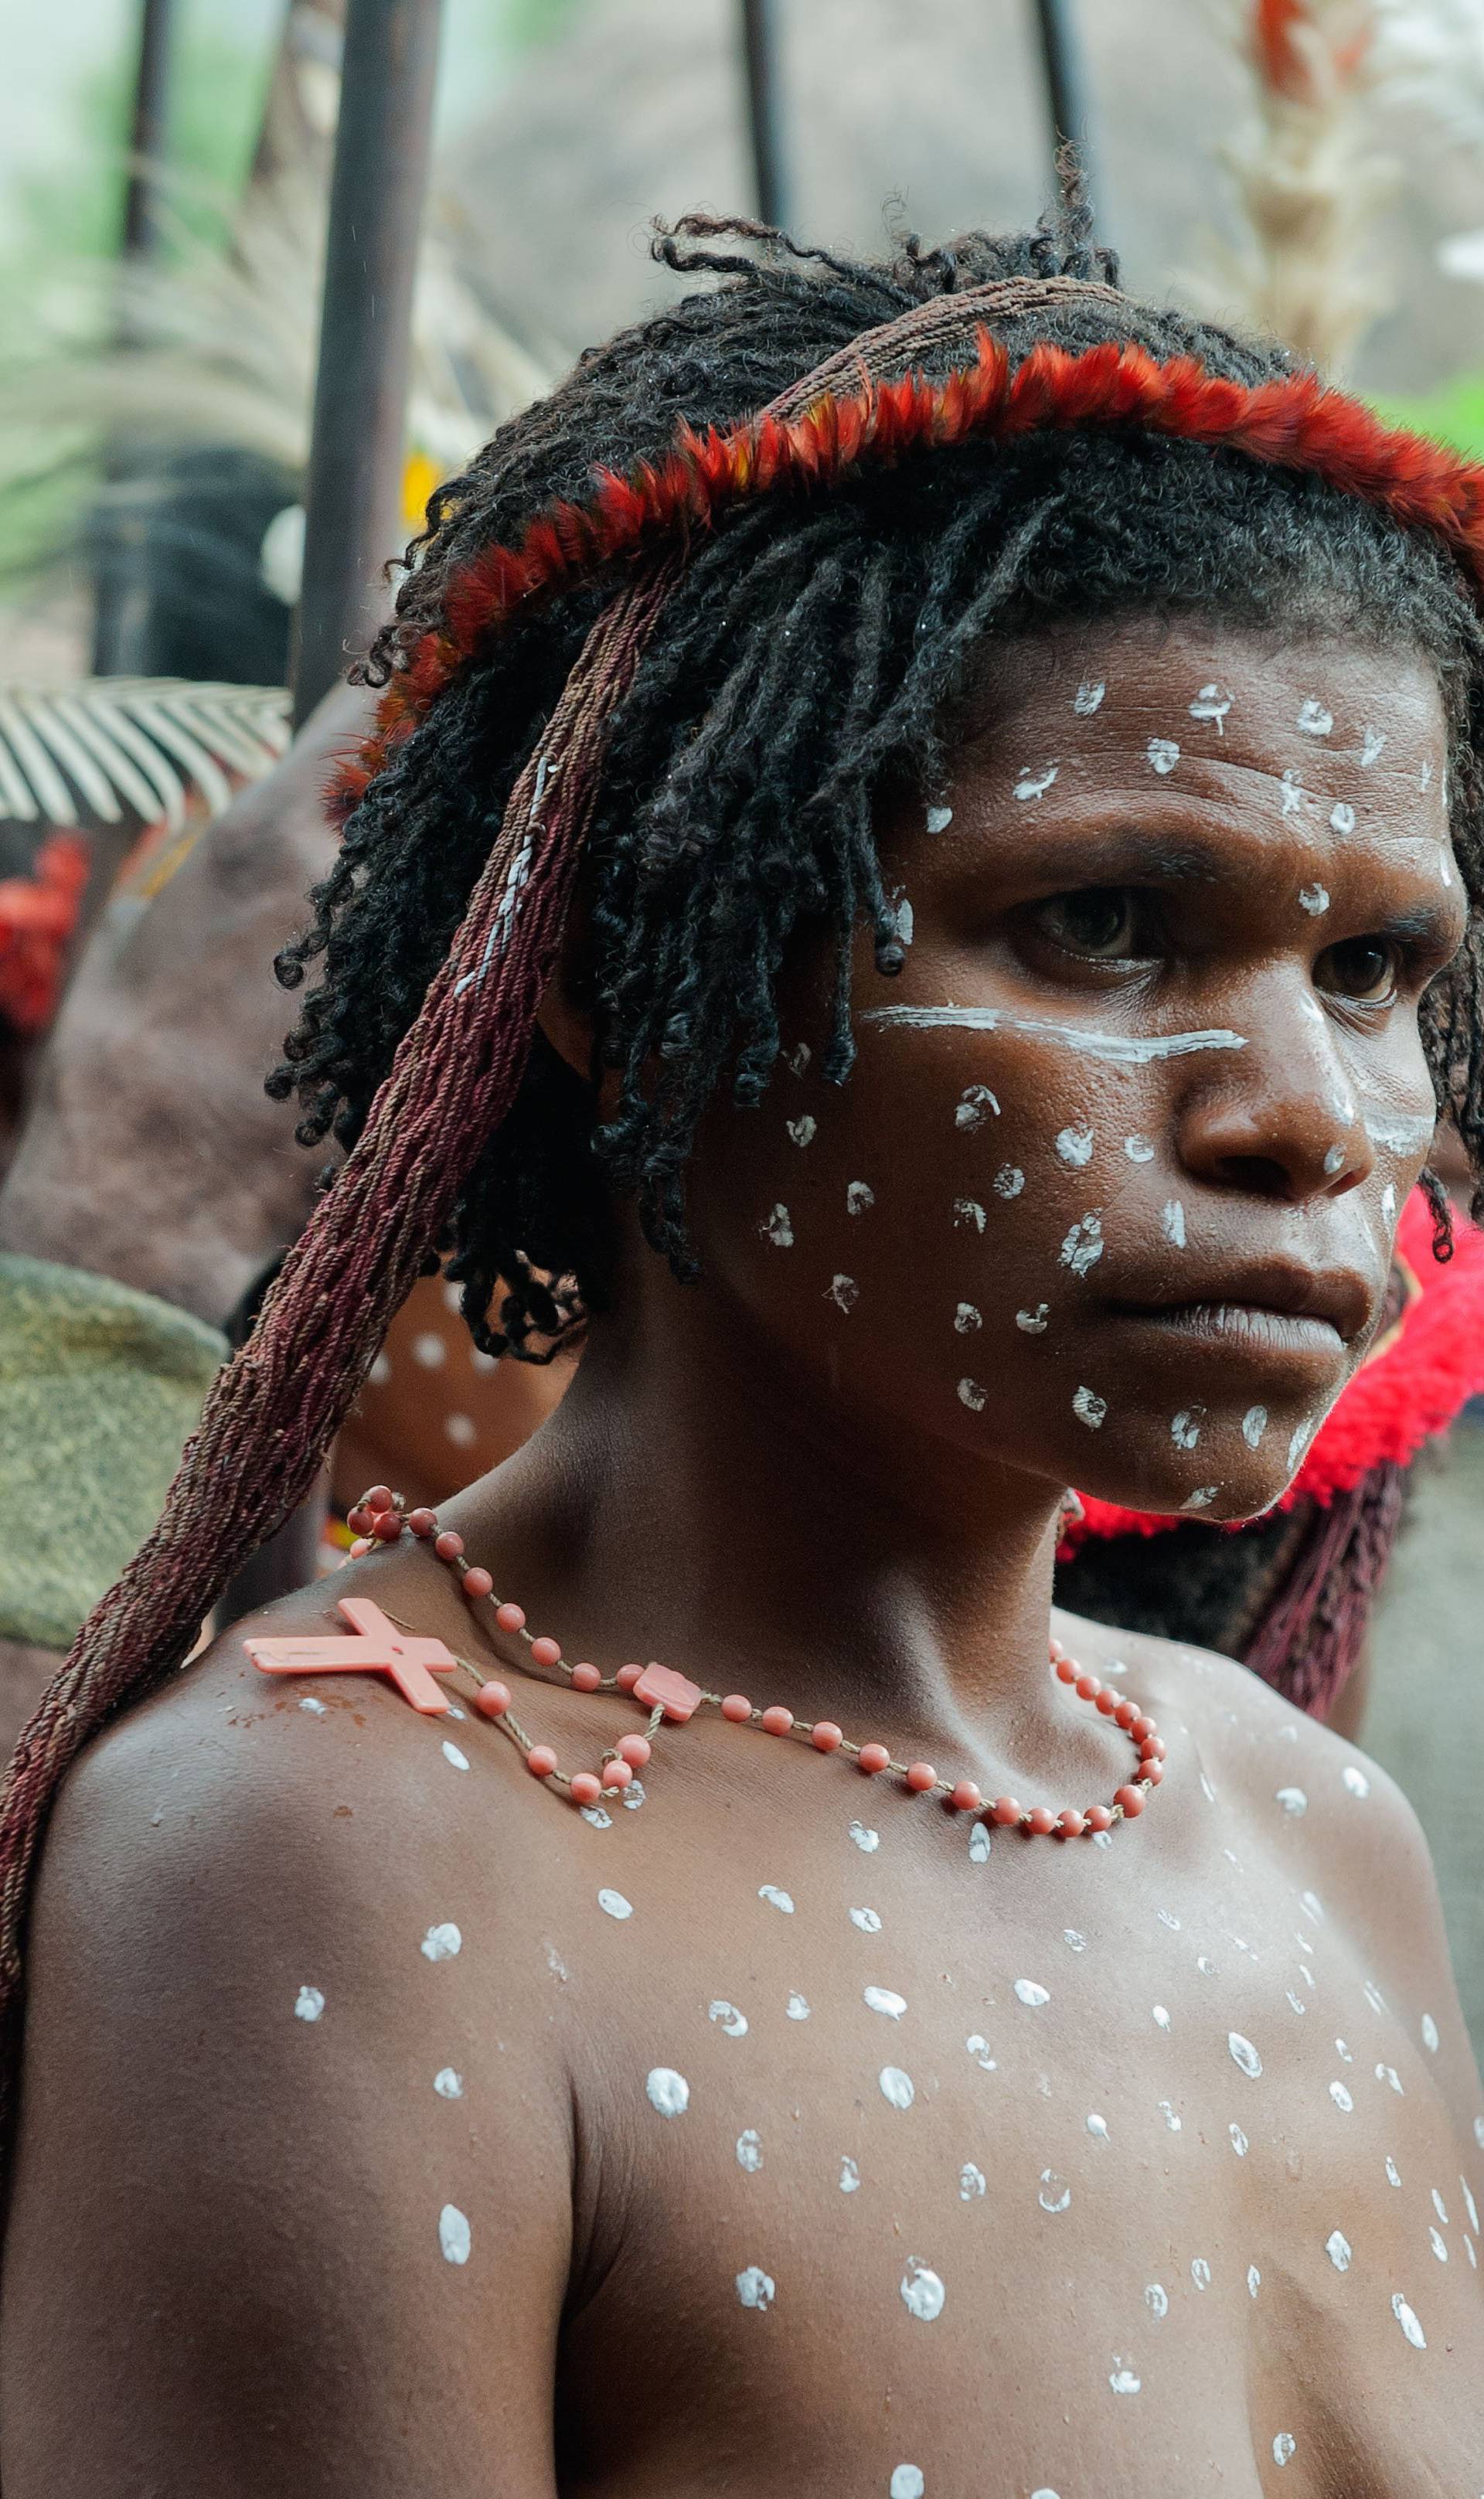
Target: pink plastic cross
660,1687
379,1648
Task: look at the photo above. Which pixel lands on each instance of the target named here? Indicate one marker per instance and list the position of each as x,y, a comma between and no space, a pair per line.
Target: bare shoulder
1319,1812
286,2076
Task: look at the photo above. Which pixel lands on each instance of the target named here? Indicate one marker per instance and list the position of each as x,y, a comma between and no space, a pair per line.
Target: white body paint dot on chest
1033,782
1007,1183
1338,2249
977,2047
896,2087
448,2083
1292,1799
456,1760
885,2000
1123,2380
778,1898
1089,1409
1430,2039
867,1920
797,2008
315,1709
1342,2098
726,2018
1074,1147
971,2181
1244,2055
860,1197
866,1840
754,2287
308,2005
980,1845
1285,2447
1407,2318
974,1106
968,1215
803,1130
922,2292
455,2237
971,1394
850,2174
749,2150
614,1905
844,1292
907,2482
778,1227
1030,1991
442,1942
1034,1323
1156,2299
668,2093
1055,2195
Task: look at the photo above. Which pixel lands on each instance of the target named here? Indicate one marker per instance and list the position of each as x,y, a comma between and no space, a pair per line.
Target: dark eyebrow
1123,855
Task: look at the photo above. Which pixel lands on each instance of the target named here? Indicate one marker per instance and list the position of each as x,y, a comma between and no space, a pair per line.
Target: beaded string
381,1516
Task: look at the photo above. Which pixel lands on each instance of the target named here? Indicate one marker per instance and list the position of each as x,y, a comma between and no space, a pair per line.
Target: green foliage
1453,413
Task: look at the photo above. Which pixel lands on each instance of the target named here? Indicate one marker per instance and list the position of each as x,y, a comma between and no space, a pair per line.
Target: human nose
1281,1120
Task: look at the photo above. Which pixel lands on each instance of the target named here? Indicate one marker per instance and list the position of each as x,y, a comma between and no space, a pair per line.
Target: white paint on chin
1117,1049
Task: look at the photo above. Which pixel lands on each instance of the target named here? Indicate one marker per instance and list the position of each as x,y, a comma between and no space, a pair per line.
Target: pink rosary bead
586,1679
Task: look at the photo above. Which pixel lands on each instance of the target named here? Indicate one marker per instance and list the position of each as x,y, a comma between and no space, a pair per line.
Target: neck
691,1502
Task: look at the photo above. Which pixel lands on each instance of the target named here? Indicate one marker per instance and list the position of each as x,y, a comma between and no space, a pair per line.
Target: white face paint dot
938,819
968,1215
1097,2127
726,2016
866,1840
1089,1409
1213,704
1173,1223
754,2287
804,1130
1163,755
1389,2074
1284,2447
1172,2119
1478,2132
1407,2318
979,1844
1186,1426
308,2005
1055,2195
907,2482
1254,2281
867,1920
667,2093
972,1395
1072,1940
860,1197
1314,899
1342,2098
844,1292
923,2292
1371,742
1337,2248
1239,2141
1088,695
967,1319
780,1899
1123,2380
1292,1799
1030,1992
1438,2243
974,1101
430,1350
1392,2171
1343,2051
1007,1183
1073,1146
979,2049
971,2181
885,2000
462,1430
798,2008
614,1905
1033,1322
1341,817
1034,784
315,1709
1441,2208
1167,1918
896,2087
1244,2055
1430,2033
1156,2299
1355,1780
1200,2273
1139,1150
749,2150
456,1760
850,2175
1314,719
1162,2017
440,1943
778,1227
455,2236
448,2083
1469,2206
1082,1246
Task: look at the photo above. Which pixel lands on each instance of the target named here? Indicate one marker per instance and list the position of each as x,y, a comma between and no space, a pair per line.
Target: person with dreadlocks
918,881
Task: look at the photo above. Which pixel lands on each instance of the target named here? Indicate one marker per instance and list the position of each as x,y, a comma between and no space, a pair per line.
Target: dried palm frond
154,750
1309,180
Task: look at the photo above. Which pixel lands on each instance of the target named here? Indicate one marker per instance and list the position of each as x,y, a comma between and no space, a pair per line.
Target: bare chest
1044,2172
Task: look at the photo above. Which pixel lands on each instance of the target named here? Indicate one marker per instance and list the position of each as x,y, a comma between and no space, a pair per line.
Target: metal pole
1066,80
147,137
759,50
353,493
121,597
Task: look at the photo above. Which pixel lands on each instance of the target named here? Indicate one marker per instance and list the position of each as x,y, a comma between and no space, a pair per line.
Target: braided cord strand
273,1409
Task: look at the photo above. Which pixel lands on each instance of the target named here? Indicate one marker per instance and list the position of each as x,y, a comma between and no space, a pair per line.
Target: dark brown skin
226,2220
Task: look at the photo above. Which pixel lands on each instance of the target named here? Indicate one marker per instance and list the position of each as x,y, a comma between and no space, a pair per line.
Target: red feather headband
1295,423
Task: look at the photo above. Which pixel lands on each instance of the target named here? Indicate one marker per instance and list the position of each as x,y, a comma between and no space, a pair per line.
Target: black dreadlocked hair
806,664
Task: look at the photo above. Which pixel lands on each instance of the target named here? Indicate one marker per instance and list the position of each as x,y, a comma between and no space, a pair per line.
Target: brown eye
1098,919
1362,968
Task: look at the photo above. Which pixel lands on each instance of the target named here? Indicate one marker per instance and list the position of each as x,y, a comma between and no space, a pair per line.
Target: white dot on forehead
667,2092
455,2237
1163,755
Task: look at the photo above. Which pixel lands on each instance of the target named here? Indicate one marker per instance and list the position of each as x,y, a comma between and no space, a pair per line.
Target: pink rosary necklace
381,1516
